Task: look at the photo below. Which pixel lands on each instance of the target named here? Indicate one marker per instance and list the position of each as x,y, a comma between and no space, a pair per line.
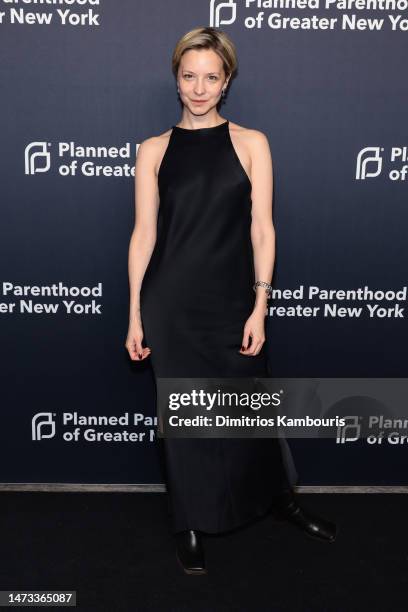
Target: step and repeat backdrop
83,83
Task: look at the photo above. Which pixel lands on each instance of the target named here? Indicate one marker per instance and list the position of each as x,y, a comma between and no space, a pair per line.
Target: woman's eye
212,77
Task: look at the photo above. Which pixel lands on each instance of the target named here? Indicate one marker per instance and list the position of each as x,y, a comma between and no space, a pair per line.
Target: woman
203,242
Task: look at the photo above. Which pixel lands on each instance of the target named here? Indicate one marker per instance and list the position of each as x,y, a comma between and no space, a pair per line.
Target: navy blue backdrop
82,84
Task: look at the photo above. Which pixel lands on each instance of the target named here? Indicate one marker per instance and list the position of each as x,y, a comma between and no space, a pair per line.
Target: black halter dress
196,296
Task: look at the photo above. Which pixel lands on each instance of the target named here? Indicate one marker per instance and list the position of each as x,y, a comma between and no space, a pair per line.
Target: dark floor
116,551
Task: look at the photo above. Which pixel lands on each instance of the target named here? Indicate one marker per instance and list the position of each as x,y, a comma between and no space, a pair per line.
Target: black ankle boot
287,508
190,551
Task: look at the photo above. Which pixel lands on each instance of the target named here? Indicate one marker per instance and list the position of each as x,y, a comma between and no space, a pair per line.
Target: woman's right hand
134,341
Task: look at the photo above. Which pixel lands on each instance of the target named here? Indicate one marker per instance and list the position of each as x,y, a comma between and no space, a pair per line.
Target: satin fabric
196,296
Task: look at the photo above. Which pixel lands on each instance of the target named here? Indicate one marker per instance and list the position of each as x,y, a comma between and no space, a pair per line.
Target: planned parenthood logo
369,163
286,14
42,426
350,432
74,427
73,159
374,429
36,154
222,12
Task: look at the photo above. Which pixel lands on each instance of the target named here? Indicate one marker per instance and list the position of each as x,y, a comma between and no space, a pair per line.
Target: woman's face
201,78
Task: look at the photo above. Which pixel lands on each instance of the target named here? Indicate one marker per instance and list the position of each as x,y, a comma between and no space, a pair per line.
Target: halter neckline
202,130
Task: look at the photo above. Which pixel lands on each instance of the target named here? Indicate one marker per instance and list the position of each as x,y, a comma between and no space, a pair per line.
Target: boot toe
190,552
314,526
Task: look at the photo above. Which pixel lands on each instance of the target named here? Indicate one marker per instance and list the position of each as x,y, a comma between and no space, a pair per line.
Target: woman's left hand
254,328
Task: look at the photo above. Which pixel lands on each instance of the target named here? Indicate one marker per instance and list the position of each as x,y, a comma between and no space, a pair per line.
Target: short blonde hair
207,38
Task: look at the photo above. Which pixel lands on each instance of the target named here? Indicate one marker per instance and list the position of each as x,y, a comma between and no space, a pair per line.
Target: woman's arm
142,240
262,229
262,237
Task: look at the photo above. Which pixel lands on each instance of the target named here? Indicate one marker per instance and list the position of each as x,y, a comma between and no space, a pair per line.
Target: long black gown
195,298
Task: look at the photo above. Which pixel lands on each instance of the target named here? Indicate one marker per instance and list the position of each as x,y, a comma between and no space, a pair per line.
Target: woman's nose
199,87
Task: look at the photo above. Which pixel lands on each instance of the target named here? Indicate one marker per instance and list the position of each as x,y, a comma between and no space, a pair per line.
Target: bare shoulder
252,148
253,139
152,149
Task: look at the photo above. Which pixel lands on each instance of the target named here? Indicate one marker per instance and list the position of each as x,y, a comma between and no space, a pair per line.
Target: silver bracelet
268,287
